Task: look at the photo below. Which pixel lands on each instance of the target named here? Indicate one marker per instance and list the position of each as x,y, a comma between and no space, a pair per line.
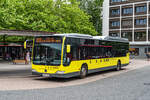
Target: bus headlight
33,70
60,72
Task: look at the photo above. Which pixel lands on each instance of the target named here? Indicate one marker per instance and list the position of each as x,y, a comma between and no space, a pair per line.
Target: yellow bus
69,55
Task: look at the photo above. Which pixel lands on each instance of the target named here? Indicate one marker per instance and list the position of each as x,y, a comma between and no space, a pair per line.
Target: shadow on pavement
52,79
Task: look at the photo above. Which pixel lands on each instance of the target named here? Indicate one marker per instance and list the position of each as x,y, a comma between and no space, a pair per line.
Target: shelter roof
24,33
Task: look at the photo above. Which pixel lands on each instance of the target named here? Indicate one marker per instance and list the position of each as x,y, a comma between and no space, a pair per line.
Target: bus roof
75,35
85,36
110,38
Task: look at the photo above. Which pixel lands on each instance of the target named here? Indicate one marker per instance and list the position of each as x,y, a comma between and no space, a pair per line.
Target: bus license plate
45,75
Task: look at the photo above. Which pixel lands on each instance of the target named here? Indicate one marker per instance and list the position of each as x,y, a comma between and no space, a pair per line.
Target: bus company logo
45,70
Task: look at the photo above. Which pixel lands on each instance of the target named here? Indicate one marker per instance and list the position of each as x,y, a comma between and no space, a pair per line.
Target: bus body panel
75,66
45,68
73,69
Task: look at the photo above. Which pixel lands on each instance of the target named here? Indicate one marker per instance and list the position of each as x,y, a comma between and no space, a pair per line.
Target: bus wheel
118,66
83,72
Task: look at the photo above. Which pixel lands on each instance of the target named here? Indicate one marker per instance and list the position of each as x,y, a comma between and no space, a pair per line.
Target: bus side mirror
25,44
68,48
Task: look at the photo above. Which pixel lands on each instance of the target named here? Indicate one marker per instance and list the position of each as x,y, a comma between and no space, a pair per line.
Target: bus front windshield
47,54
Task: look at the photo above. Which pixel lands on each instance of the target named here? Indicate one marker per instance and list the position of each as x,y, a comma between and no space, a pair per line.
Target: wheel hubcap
83,71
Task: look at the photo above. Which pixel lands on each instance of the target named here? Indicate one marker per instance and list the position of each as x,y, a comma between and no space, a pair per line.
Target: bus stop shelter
15,50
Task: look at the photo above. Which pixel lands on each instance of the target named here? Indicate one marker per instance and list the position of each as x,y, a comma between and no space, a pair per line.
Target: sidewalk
8,66
136,57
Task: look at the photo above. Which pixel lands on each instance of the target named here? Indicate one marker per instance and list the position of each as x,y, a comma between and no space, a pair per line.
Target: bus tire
83,72
118,66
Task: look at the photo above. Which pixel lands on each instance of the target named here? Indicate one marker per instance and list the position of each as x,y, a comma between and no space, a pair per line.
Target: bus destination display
48,39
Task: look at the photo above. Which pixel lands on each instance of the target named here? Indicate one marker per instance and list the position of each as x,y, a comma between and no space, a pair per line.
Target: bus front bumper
68,75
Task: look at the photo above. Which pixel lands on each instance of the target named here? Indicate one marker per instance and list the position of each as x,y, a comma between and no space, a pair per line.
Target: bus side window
74,52
66,57
109,52
81,53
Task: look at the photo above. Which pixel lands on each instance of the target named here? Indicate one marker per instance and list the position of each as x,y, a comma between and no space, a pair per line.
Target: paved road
132,85
18,77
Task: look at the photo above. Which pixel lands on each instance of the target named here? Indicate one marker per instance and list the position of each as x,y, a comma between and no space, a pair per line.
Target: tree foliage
45,15
21,39
94,9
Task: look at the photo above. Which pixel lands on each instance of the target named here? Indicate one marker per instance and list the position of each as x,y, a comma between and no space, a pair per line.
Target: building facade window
127,35
114,34
115,12
147,50
149,35
140,36
113,1
124,0
127,11
140,9
140,21
126,23
115,24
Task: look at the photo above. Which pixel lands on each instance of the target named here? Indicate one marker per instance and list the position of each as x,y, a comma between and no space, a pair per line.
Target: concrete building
128,19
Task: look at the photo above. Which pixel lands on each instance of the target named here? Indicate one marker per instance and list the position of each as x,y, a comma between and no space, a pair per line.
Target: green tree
94,9
45,15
